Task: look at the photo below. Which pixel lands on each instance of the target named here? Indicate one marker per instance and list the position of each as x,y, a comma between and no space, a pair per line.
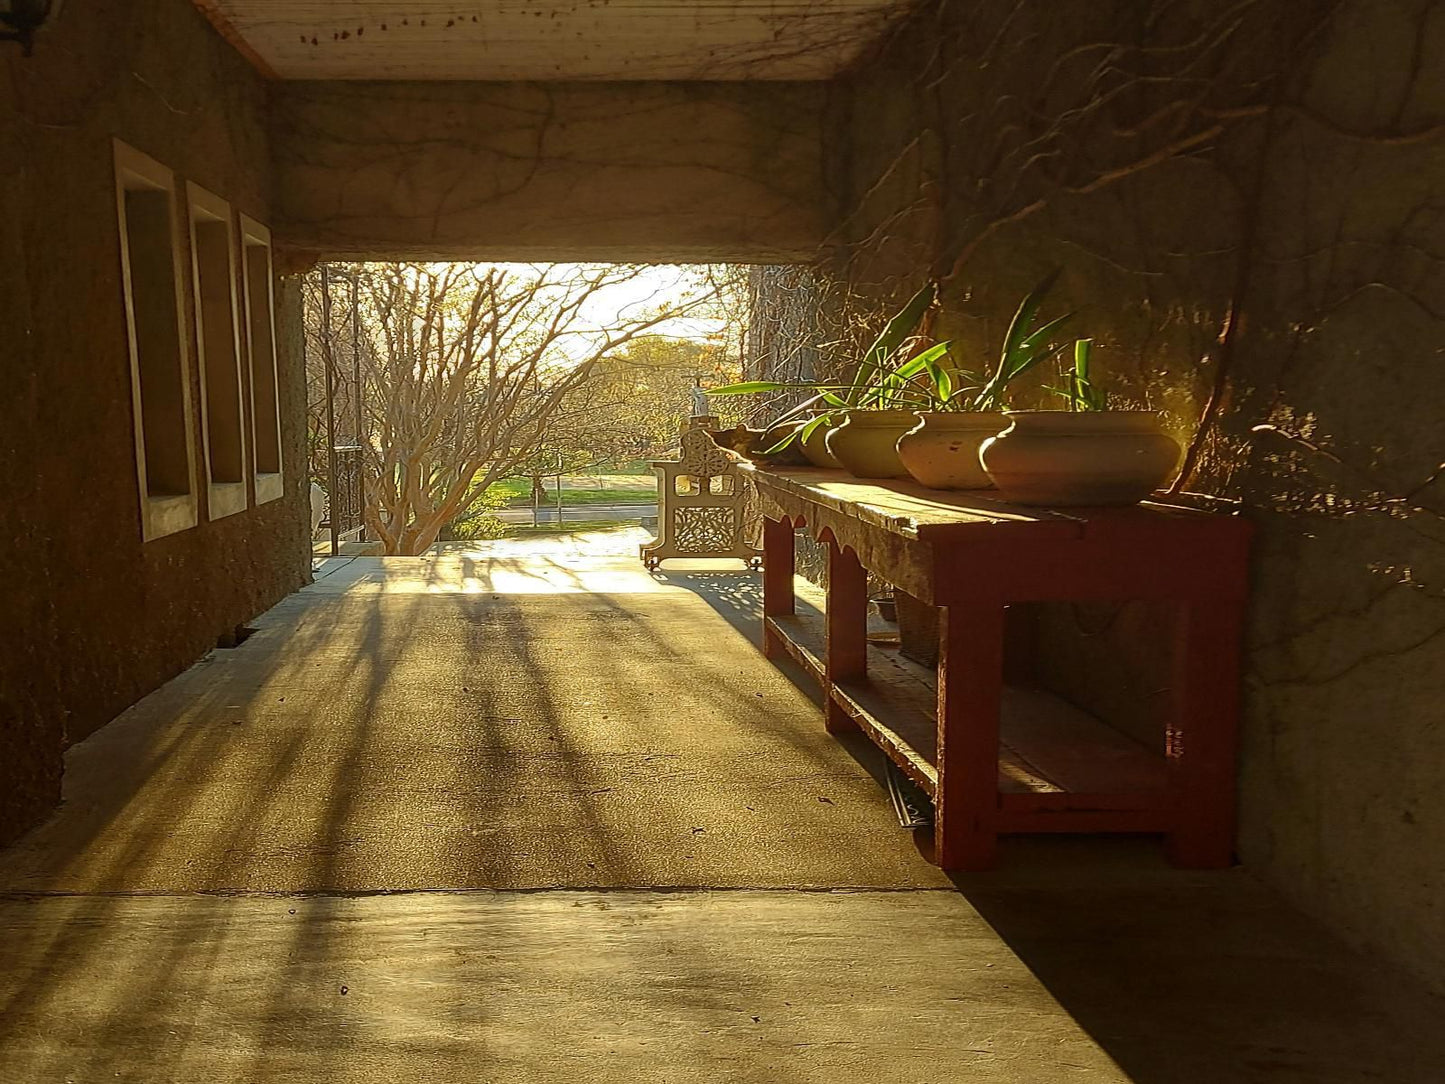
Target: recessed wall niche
261,349
218,341
160,386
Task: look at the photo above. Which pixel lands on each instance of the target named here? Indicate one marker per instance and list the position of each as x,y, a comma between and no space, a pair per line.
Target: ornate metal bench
700,506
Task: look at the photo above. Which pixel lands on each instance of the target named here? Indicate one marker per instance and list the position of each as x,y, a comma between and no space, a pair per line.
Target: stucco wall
94,619
627,171
1247,204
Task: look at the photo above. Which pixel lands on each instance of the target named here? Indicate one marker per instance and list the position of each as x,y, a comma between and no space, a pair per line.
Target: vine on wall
1154,151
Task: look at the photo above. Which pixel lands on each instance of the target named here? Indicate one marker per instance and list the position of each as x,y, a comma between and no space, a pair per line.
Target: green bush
480,521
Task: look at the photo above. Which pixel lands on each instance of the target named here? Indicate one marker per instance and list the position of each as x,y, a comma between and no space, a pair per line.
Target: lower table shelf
1060,769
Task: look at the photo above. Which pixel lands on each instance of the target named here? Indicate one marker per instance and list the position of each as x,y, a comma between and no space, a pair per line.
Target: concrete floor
545,817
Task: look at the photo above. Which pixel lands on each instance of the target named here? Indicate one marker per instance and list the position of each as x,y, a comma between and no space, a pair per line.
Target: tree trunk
417,537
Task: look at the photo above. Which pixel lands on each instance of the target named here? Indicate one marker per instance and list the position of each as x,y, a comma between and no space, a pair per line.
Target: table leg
1202,733
778,569
970,689
847,629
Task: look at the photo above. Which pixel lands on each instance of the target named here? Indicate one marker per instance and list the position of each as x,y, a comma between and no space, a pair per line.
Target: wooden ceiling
553,39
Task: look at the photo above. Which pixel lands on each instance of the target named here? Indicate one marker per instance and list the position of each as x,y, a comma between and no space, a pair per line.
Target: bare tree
468,367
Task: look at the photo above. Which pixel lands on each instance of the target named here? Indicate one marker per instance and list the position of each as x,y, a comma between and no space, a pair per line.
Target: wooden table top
904,507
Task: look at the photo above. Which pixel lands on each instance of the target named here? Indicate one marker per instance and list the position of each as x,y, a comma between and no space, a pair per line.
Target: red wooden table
973,557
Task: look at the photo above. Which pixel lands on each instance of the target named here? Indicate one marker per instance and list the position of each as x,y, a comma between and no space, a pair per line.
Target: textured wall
627,171
1248,202
93,619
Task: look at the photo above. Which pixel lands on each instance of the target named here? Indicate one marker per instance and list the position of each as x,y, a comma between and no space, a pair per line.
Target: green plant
1079,388
1024,346
873,368
480,520
889,378
879,382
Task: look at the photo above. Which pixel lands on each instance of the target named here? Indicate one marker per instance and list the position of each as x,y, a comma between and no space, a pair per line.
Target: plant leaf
1028,309
1017,354
806,404
919,362
1083,348
1038,338
812,427
944,384
902,325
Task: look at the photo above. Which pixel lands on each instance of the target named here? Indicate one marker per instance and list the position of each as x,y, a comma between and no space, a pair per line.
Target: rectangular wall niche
213,266
261,336
160,384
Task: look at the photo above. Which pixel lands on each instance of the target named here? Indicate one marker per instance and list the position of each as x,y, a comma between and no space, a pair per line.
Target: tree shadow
1182,977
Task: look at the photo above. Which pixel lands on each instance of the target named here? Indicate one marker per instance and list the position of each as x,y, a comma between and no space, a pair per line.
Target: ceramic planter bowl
1054,457
815,447
941,451
867,442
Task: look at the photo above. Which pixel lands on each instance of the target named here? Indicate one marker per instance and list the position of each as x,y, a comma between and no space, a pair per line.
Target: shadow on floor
1207,977
737,596
1182,977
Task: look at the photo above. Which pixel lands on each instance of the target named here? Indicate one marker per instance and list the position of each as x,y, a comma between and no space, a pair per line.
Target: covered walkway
503,817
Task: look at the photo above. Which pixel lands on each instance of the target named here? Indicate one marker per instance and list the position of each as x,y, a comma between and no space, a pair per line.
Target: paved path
499,815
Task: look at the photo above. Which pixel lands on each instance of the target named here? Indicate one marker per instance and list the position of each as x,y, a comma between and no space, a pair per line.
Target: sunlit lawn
579,526
583,489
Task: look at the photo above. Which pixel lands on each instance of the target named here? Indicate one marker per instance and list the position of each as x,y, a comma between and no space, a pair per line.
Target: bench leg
847,623
1202,734
778,570
970,688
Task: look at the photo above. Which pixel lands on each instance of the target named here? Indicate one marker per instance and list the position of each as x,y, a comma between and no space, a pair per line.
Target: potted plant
815,442
941,450
1087,454
857,423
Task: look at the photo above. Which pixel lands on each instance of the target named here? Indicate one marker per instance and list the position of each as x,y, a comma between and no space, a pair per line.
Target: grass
583,490
572,526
